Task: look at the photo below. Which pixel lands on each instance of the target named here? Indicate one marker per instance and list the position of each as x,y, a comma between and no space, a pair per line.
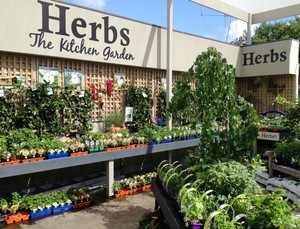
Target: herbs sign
271,136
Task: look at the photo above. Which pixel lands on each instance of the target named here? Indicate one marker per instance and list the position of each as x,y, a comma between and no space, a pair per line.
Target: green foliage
161,103
269,211
3,206
113,120
268,32
14,203
140,98
293,117
76,107
227,178
229,123
183,106
117,186
9,111
78,194
287,153
46,108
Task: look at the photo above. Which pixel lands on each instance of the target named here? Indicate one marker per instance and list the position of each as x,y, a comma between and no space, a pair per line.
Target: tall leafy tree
268,32
229,123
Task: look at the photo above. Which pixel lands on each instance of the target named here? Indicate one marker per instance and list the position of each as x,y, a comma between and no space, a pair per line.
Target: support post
249,23
169,56
170,156
109,178
269,154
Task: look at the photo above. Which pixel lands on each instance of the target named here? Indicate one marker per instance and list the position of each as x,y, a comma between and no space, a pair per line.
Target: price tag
1,92
49,91
81,94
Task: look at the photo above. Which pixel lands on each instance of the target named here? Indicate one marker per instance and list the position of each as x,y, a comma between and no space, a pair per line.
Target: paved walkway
122,213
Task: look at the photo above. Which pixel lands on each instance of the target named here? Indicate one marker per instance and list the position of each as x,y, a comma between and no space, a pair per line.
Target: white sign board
128,114
270,136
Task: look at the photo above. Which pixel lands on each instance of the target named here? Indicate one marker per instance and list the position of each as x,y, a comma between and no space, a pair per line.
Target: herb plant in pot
193,212
3,210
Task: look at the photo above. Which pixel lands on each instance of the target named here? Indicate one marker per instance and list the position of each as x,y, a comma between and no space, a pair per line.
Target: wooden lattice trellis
16,65
98,73
262,94
93,73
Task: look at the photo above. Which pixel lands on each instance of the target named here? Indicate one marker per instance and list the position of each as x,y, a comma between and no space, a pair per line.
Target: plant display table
171,213
281,168
108,157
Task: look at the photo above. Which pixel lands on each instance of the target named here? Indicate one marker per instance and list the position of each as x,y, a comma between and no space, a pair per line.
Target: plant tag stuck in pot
1,92
49,91
81,94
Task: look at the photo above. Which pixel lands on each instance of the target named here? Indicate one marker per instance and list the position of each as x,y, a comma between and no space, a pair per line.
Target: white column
249,23
109,178
296,82
169,55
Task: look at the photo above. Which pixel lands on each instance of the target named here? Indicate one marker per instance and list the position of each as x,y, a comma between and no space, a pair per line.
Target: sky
188,16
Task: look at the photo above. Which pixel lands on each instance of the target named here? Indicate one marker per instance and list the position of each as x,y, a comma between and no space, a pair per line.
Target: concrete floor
122,213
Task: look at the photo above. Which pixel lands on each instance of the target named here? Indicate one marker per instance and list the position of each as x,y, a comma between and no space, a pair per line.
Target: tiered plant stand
108,157
167,206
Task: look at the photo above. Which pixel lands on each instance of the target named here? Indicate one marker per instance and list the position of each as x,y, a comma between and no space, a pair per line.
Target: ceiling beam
224,8
283,12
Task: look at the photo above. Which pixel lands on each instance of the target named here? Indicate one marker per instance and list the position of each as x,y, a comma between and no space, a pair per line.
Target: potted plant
80,196
3,210
5,156
117,189
56,149
193,212
114,122
62,202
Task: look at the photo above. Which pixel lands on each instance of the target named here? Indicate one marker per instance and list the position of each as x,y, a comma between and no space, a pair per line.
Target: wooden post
269,154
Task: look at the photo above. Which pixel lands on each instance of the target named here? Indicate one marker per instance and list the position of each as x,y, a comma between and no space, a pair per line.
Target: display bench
281,168
108,157
169,210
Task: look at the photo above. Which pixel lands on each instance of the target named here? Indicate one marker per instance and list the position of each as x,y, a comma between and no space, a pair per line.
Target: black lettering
74,48
125,41
94,27
274,56
266,58
107,30
39,41
248,58
46,17
78,22
283,56
107,53
258,59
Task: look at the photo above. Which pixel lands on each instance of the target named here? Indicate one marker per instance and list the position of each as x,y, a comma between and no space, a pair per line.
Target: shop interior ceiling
254,11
